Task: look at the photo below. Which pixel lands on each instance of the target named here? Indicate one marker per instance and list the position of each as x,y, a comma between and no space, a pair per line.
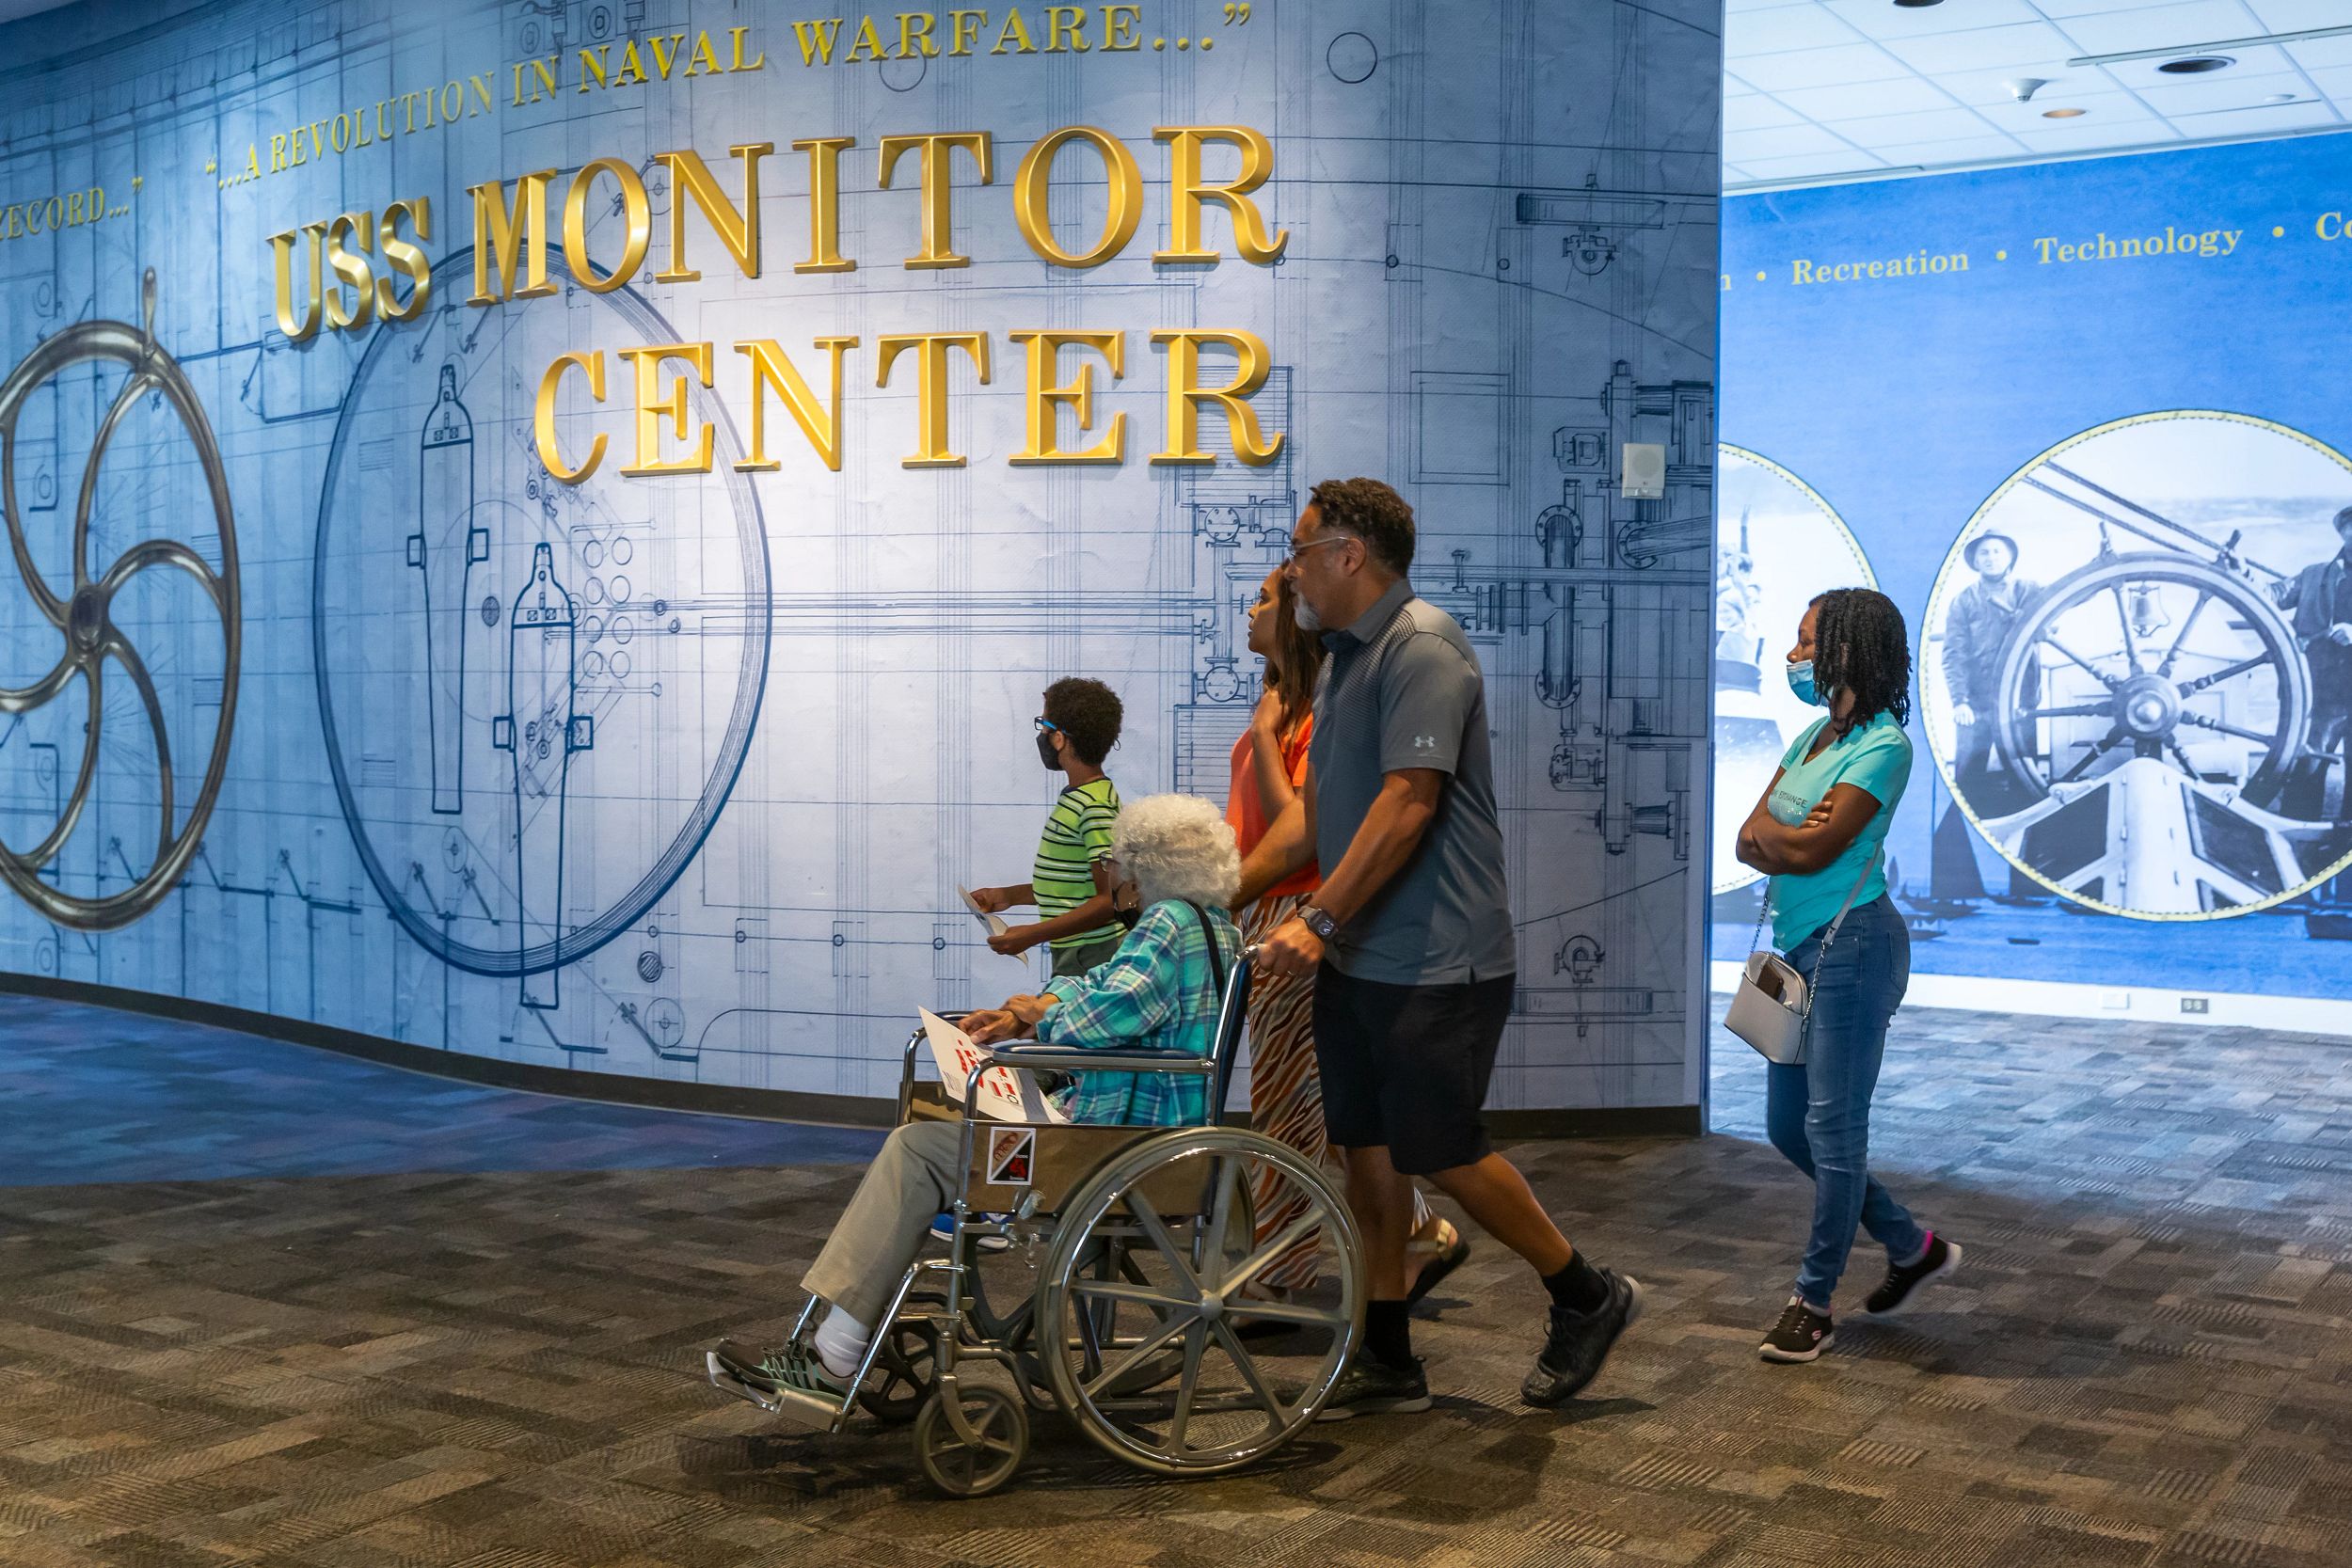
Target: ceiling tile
1809,84
2322,52
1781,142
2081,136
1983,48
1880,18
1902,95
2059,85
1812,165
1747,34
2103,109
2066,10
2223,90
2288,16
1879,130
2261,60
2260,119
2335,81
2186,22
1820,68
1756,111
1954,150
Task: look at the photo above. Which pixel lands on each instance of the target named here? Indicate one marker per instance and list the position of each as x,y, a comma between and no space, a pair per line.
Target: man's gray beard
1304,613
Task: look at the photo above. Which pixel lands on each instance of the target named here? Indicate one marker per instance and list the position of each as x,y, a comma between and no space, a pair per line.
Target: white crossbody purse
1773,1004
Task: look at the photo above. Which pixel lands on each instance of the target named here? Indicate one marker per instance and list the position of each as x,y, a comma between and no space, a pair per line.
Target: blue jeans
1818,1113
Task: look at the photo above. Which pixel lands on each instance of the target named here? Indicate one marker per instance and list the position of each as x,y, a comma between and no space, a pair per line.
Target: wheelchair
1135,1325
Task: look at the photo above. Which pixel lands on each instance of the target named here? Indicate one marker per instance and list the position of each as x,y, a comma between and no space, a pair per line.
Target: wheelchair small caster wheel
971,1471
908,1369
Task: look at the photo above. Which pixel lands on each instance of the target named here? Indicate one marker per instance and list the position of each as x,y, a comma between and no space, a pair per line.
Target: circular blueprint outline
1982,518
1845,531
624,912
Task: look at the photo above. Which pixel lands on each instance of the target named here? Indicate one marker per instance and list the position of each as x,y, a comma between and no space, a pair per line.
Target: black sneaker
1371,1386
1577,1342
1904,1279
1802,1334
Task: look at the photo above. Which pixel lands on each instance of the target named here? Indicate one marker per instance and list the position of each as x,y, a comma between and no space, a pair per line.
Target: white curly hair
1178,846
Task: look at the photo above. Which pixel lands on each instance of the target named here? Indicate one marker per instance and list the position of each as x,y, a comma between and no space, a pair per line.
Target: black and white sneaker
1802,1334
1576,1343
793,1367
1371,1386
1903,1280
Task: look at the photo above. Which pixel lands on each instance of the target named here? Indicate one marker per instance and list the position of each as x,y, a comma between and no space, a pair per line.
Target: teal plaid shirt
1157,993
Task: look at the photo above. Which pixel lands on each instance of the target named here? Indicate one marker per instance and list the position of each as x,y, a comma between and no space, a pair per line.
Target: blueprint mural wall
379,705
2085,423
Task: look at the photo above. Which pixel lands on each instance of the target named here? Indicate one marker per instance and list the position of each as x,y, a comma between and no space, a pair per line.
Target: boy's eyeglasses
1044,725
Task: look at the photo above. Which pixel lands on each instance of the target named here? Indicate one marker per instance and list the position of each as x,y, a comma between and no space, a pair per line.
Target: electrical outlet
2196,1005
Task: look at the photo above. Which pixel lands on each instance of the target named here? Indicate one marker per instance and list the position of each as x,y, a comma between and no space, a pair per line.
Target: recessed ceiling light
2195,65
1917,5
2063,114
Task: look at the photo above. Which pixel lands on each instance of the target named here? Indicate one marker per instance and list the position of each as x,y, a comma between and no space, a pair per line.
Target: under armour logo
1424,743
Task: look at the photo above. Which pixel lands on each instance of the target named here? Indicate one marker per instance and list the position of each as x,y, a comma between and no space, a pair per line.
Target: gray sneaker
1371,1386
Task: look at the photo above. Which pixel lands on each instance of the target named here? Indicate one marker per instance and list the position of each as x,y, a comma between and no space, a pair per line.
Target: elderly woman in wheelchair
1141,1206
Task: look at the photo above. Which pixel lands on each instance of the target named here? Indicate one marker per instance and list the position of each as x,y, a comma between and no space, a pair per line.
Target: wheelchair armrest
1063,1059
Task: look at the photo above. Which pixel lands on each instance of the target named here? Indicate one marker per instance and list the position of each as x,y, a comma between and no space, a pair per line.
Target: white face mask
1304,613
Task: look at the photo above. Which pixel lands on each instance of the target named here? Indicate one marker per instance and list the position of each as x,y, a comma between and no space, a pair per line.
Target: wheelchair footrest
805,1411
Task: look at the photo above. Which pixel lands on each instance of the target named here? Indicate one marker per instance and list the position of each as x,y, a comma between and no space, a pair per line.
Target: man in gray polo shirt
1411,941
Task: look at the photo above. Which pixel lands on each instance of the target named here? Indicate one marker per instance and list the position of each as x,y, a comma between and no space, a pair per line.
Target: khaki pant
915,1177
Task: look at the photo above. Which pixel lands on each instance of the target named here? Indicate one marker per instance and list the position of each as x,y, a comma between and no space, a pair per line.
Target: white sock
841,1342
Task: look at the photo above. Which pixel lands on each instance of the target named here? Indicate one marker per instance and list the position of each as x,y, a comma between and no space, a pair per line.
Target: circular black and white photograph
2137,665
1777,543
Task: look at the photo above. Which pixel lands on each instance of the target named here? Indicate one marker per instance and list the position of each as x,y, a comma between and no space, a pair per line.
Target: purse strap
1813,983
1217,958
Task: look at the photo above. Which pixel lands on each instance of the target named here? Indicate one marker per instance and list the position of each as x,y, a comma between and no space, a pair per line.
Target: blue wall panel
675,775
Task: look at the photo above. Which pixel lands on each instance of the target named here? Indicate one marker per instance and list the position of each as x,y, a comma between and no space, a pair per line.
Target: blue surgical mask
1801,682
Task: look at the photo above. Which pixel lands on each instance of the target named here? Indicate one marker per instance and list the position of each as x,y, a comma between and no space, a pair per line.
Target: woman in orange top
1285,1095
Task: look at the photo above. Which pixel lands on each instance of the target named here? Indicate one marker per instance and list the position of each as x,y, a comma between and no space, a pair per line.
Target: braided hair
1860,645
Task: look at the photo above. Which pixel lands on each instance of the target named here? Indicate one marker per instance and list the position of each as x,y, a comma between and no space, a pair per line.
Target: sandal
1443,1261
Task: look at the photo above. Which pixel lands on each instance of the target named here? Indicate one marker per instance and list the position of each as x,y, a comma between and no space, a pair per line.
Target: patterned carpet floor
2147,1359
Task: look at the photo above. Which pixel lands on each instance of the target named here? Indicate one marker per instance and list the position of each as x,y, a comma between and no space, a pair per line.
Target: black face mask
1045,752
1128,914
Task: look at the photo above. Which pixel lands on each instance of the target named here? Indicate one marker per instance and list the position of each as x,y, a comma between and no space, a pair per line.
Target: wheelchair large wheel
968,1471
1175,1212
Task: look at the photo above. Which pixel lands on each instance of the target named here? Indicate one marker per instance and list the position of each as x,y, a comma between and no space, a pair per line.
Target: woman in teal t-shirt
1820,832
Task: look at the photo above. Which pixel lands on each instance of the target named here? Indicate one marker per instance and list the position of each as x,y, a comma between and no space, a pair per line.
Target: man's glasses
1298,551
1044,725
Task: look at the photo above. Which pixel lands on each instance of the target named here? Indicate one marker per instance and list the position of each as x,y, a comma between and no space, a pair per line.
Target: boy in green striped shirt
1073,734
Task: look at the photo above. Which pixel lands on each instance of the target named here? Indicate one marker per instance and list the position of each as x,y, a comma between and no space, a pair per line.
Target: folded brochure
1006,1094
993,924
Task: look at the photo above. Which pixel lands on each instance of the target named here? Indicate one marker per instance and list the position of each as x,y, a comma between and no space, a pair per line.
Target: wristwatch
1318,922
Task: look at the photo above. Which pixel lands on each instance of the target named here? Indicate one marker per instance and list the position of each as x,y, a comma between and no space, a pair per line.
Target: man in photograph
1976,637
2320,597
